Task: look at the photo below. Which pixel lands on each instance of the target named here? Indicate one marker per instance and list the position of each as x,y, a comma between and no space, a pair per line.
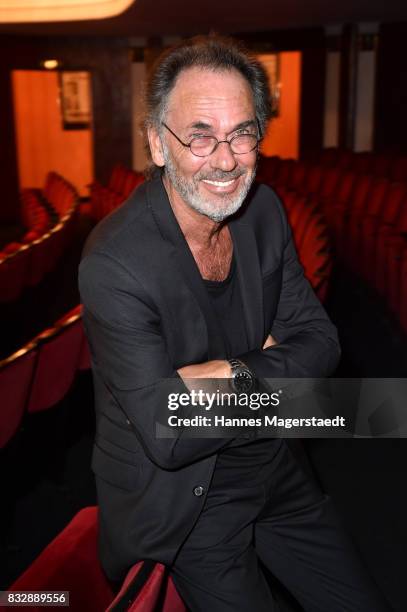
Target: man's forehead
200,81
198,90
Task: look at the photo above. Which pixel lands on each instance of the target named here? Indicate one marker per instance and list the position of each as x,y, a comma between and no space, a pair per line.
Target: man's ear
156,148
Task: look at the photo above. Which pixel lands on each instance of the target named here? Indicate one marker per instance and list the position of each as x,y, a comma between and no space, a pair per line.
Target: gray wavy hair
213,52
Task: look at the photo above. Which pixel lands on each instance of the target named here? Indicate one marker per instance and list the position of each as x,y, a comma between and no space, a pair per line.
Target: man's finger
270,341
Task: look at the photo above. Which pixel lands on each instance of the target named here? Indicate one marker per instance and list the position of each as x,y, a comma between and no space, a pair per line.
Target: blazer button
198,491
128,422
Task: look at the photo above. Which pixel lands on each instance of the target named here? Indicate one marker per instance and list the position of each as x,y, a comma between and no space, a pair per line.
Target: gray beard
189,190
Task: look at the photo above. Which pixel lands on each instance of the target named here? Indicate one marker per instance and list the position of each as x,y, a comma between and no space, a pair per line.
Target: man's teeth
219,183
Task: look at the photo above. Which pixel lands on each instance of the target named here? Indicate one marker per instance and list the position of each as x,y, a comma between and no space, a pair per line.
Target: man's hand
270,341
217,368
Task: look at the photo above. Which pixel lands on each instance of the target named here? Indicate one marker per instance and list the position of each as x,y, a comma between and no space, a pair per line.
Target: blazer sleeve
308,344
128,351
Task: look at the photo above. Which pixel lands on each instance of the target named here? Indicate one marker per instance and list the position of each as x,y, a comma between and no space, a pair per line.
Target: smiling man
214,181
196,277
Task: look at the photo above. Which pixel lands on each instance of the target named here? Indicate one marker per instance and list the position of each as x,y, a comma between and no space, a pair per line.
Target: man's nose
223,157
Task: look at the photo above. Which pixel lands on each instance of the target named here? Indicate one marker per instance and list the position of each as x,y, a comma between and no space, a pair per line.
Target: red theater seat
117,178
16,375
267,169
12,247
313,179
282,176
314,250
122,182
70,563
58,359
346,226
386,228
56,244
338,204
297,177
39,261
399,169
369,223
13,274
30,236
329,184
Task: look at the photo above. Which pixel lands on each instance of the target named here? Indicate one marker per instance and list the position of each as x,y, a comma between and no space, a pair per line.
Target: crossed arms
130,354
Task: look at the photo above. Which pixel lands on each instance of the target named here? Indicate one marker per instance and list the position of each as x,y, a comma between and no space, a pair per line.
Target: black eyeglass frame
218,142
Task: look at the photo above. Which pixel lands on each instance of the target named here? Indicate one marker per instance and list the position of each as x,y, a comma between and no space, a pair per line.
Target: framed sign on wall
76,99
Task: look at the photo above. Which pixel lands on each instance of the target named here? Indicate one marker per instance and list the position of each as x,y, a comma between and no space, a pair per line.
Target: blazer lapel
249,272
157,200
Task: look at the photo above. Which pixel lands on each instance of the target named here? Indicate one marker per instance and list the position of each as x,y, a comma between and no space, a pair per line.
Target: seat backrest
313,180
297,176
376,196
392,203
38,265
13,274
16,376
360,192
398,170
283,173
329,182
345,187
58,359
70,563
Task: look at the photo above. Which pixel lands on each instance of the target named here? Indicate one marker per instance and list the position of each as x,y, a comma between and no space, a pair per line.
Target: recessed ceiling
178,17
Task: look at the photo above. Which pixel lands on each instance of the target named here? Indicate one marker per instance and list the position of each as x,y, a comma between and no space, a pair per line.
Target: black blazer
147,313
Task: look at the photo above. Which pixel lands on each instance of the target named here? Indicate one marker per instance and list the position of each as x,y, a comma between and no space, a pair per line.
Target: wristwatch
242,378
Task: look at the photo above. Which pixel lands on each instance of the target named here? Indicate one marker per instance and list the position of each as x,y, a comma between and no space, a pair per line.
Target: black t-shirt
241,463
227,302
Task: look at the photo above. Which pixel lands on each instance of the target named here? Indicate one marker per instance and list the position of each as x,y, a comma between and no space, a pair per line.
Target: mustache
221,175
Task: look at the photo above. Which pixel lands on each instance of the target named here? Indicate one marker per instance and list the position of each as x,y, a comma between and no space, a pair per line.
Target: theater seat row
42,208
70,563
26,264
366,216
34,214
382,165
312,241
38,376
59,193
104,199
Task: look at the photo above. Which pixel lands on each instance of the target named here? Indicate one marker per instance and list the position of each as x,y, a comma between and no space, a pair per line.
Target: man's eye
244,132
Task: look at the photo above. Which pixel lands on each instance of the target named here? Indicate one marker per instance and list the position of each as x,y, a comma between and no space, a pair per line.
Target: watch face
243,381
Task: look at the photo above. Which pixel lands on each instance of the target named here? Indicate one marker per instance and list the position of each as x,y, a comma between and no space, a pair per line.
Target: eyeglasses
203,146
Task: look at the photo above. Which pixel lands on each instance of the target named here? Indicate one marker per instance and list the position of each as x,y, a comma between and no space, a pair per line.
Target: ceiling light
23,11
50,64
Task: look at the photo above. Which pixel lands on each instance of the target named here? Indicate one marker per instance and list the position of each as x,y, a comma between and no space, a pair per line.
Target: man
196,276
